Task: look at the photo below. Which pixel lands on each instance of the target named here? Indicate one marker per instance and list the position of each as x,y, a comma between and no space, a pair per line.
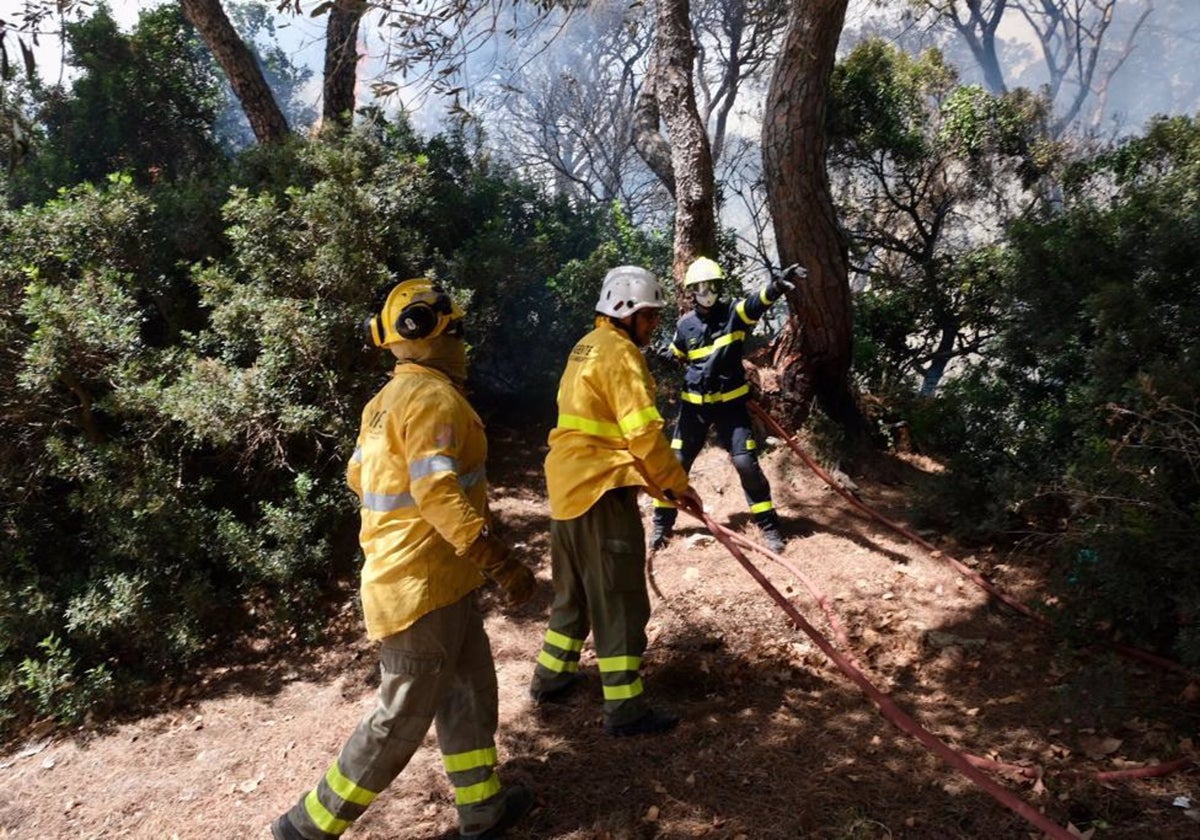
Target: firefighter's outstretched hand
496,560
786,280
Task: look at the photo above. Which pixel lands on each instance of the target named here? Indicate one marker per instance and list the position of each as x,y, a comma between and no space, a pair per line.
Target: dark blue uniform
714,394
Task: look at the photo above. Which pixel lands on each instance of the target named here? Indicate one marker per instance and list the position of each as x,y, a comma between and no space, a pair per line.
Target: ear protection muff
409,311
420,318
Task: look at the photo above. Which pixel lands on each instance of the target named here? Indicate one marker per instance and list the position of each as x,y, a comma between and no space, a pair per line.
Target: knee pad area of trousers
745,463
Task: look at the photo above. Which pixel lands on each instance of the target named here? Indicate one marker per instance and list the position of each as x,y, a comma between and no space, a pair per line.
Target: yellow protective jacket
609,432
418,471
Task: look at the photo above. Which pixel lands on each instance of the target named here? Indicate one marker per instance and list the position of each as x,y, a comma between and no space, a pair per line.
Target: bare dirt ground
775,741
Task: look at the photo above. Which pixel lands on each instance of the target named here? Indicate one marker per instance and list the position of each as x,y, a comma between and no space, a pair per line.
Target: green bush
57,686
173,445
1081,424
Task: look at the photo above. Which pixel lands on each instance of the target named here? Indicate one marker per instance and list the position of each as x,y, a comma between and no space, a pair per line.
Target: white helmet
627,289
703,279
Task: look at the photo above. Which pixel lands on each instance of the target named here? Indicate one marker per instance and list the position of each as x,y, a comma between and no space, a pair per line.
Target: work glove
688,499
496,561
785,281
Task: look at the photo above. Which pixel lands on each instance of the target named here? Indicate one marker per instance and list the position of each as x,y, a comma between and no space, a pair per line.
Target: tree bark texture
266,119
691,155
813,353
649,142
341,62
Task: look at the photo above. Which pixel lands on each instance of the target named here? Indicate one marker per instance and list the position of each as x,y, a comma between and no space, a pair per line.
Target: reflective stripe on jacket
712,348
418,471
609,432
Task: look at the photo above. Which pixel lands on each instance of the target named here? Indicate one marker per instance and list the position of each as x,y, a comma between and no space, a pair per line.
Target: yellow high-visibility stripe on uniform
623,692
599,428
562,641
558,666
618,663
722,341
762,507
343,787
702,399
471,794
635,420
321,817
348,789
458,762
741,313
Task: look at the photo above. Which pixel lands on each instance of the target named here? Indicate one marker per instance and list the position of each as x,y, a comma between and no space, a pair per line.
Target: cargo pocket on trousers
624,566
406,663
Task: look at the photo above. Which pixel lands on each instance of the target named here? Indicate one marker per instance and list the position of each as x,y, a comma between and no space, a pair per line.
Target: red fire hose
971,575
885,704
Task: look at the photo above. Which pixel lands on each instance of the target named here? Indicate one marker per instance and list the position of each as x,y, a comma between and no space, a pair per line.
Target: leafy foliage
1083,421
174,441
924,169
144,103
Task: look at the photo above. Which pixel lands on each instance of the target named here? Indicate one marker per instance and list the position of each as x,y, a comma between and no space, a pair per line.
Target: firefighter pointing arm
709,341
608,442
418,470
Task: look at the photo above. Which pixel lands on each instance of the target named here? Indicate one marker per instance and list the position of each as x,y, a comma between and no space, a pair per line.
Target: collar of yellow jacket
604,322
443,354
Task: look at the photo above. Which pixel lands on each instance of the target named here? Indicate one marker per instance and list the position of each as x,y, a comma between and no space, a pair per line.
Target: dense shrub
1080,423
181,409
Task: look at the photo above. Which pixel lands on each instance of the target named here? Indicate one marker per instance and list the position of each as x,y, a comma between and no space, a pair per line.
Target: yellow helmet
703,269
414,309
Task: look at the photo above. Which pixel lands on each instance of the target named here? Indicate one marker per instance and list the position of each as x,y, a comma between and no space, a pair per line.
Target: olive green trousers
599,567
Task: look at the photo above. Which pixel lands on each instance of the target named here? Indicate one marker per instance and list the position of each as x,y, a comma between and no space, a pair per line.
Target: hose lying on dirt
1023,770
971,575
886,705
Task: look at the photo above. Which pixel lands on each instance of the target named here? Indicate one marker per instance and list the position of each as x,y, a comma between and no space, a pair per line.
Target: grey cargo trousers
439,670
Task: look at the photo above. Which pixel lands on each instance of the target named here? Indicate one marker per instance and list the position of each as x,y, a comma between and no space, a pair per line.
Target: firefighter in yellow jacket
608,442
418,471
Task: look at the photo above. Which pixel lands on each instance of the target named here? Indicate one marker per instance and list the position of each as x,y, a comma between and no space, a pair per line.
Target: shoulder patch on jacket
582,352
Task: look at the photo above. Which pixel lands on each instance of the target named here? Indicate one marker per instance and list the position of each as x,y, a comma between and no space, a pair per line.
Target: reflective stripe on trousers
599,567
736,436
440,671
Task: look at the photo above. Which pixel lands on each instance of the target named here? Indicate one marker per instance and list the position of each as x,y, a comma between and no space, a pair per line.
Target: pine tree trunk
266,119
341,62
813,354
691,156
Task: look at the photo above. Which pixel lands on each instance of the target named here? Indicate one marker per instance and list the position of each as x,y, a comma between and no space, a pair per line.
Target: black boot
518,802
660,536
282,829
664,526
654,722
557,694
772,536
